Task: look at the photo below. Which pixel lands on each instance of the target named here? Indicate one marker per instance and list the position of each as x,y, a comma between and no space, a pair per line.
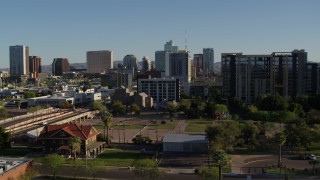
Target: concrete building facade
160,89
248,76
180,66
34,66
19,60
59,66
99,61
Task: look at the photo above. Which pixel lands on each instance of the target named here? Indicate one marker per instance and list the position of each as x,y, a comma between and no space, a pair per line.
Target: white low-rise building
54,100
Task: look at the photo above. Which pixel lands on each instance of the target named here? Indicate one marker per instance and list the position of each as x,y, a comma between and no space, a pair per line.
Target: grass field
118,157
198,125
112,157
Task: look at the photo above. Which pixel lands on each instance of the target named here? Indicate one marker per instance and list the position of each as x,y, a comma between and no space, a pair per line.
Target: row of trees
227,135
197,108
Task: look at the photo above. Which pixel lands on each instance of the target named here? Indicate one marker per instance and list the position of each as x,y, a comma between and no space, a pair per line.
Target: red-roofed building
55,138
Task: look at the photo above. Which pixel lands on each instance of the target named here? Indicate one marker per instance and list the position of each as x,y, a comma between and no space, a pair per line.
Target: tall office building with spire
19,60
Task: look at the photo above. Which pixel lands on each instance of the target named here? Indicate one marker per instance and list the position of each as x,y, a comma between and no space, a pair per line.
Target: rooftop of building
84,132
182,138
7,164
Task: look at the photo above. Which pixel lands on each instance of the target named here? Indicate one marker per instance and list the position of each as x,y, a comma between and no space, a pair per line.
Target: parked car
312,157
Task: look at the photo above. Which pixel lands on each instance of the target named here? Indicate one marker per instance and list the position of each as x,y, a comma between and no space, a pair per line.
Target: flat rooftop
6,164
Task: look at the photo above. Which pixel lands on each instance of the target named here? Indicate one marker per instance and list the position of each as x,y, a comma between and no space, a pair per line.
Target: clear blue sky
69,28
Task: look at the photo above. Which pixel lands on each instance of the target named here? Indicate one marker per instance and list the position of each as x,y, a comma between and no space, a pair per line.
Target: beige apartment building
99,61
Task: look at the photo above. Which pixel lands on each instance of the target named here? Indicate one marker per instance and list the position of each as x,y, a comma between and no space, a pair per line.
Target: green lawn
108,158
162,126
198,125
118,157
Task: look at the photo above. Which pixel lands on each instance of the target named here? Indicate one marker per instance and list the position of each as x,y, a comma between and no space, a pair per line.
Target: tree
53,162
118,107
314,163
66,105
5,139
209,173
98,106
184,105
280,139
3,112
249,133
135,108
221,159
146,169
272,102
298,134
223,135
297,109
259,116
218,111
172,107
283,116
106,119
75,144
29,94
95,166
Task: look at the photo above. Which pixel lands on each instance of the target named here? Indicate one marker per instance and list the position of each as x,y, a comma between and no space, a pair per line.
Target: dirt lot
127,127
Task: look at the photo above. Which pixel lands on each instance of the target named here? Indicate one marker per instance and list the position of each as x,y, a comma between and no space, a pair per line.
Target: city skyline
71,28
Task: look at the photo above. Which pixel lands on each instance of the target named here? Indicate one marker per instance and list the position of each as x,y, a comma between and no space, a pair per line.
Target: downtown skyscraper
34,66
99,61
19,60
208,61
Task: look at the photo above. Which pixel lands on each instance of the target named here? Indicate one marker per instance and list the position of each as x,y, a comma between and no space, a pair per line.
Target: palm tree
221,159
314,163
74,144
280,139
106,118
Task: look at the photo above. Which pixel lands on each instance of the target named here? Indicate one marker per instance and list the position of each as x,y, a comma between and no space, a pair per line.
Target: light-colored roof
180,138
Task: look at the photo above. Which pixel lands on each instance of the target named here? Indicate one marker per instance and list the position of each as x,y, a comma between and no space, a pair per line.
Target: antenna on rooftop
185,39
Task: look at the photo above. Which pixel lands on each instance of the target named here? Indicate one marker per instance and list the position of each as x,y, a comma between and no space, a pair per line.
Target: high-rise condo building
208,61
59,66
99,61
286,73
179,66
19,60
34,66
